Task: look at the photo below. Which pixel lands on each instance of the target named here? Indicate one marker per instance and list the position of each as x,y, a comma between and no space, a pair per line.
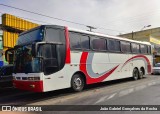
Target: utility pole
132,35
90,28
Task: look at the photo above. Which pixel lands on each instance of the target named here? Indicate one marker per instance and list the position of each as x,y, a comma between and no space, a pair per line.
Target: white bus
52,57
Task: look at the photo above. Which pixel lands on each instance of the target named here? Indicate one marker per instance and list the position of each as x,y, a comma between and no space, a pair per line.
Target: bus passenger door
51,67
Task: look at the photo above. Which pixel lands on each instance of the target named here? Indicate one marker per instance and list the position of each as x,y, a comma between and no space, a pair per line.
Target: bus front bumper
35,86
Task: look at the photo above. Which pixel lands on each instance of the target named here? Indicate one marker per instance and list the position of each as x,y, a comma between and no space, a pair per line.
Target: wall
12,27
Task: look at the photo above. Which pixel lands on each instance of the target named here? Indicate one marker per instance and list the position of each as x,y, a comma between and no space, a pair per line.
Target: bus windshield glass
25,62
31,36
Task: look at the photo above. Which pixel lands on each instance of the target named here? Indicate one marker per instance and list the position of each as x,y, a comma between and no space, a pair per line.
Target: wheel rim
77,83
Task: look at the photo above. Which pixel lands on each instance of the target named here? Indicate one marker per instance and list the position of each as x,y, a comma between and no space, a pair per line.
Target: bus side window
135,48
54,35
149,49
125,47
98,44
75,41
50,61
143,49
113,45
85,42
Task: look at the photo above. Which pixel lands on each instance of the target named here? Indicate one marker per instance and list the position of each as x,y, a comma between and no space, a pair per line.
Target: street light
145,27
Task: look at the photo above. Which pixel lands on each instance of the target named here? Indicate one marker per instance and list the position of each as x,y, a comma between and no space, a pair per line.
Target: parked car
6,76
156,69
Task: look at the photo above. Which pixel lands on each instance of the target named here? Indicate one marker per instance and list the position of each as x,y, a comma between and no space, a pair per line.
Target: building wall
17,23
1,49
150,35
12,26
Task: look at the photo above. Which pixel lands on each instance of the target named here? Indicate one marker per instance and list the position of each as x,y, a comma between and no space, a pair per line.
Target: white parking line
126,92
140,87
111,96
101,99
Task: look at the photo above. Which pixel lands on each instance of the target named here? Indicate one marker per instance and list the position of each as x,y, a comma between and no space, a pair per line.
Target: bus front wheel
135,74
77,83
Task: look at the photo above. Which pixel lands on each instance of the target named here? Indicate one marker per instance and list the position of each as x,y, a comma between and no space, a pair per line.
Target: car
6,76
156,69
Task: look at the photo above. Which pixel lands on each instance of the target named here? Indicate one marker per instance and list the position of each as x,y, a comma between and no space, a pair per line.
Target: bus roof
90,33
103,35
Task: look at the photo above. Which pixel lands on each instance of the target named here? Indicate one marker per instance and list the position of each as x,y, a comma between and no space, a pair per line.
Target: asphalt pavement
119,92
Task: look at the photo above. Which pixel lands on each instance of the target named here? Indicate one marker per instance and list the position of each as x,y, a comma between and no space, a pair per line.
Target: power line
42,14
129,21
55,17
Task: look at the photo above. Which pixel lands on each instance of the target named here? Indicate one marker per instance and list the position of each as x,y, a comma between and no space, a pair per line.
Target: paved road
104,92
143,93
122,92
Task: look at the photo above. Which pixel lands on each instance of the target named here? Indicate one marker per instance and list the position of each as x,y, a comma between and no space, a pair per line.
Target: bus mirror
6,55
9,55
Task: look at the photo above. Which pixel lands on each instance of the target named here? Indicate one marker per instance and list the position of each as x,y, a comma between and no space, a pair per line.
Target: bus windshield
31,36
25,62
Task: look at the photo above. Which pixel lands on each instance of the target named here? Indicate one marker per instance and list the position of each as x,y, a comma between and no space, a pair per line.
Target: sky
111,17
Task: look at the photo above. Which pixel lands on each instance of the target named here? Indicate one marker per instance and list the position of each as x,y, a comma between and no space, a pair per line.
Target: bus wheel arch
135,73
78,81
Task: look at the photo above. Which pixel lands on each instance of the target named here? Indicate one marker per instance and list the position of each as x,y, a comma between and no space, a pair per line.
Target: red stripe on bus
141,56
89,79
68,56
35,86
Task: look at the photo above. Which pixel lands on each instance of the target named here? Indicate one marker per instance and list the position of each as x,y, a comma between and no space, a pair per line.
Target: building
149,35
1,47
10,28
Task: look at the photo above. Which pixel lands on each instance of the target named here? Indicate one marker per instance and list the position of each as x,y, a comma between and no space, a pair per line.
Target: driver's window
48,52
50,58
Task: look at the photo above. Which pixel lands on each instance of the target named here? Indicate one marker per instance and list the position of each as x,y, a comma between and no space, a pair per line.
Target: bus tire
140,74
77,83
135,73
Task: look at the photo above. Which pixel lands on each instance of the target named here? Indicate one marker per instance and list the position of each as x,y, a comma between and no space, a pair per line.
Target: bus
52,57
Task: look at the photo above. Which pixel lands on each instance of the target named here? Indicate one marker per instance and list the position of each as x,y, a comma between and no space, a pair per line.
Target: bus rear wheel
135,74
77,83
140,74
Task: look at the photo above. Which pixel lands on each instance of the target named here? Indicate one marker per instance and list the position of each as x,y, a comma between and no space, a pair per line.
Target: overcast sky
115,16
